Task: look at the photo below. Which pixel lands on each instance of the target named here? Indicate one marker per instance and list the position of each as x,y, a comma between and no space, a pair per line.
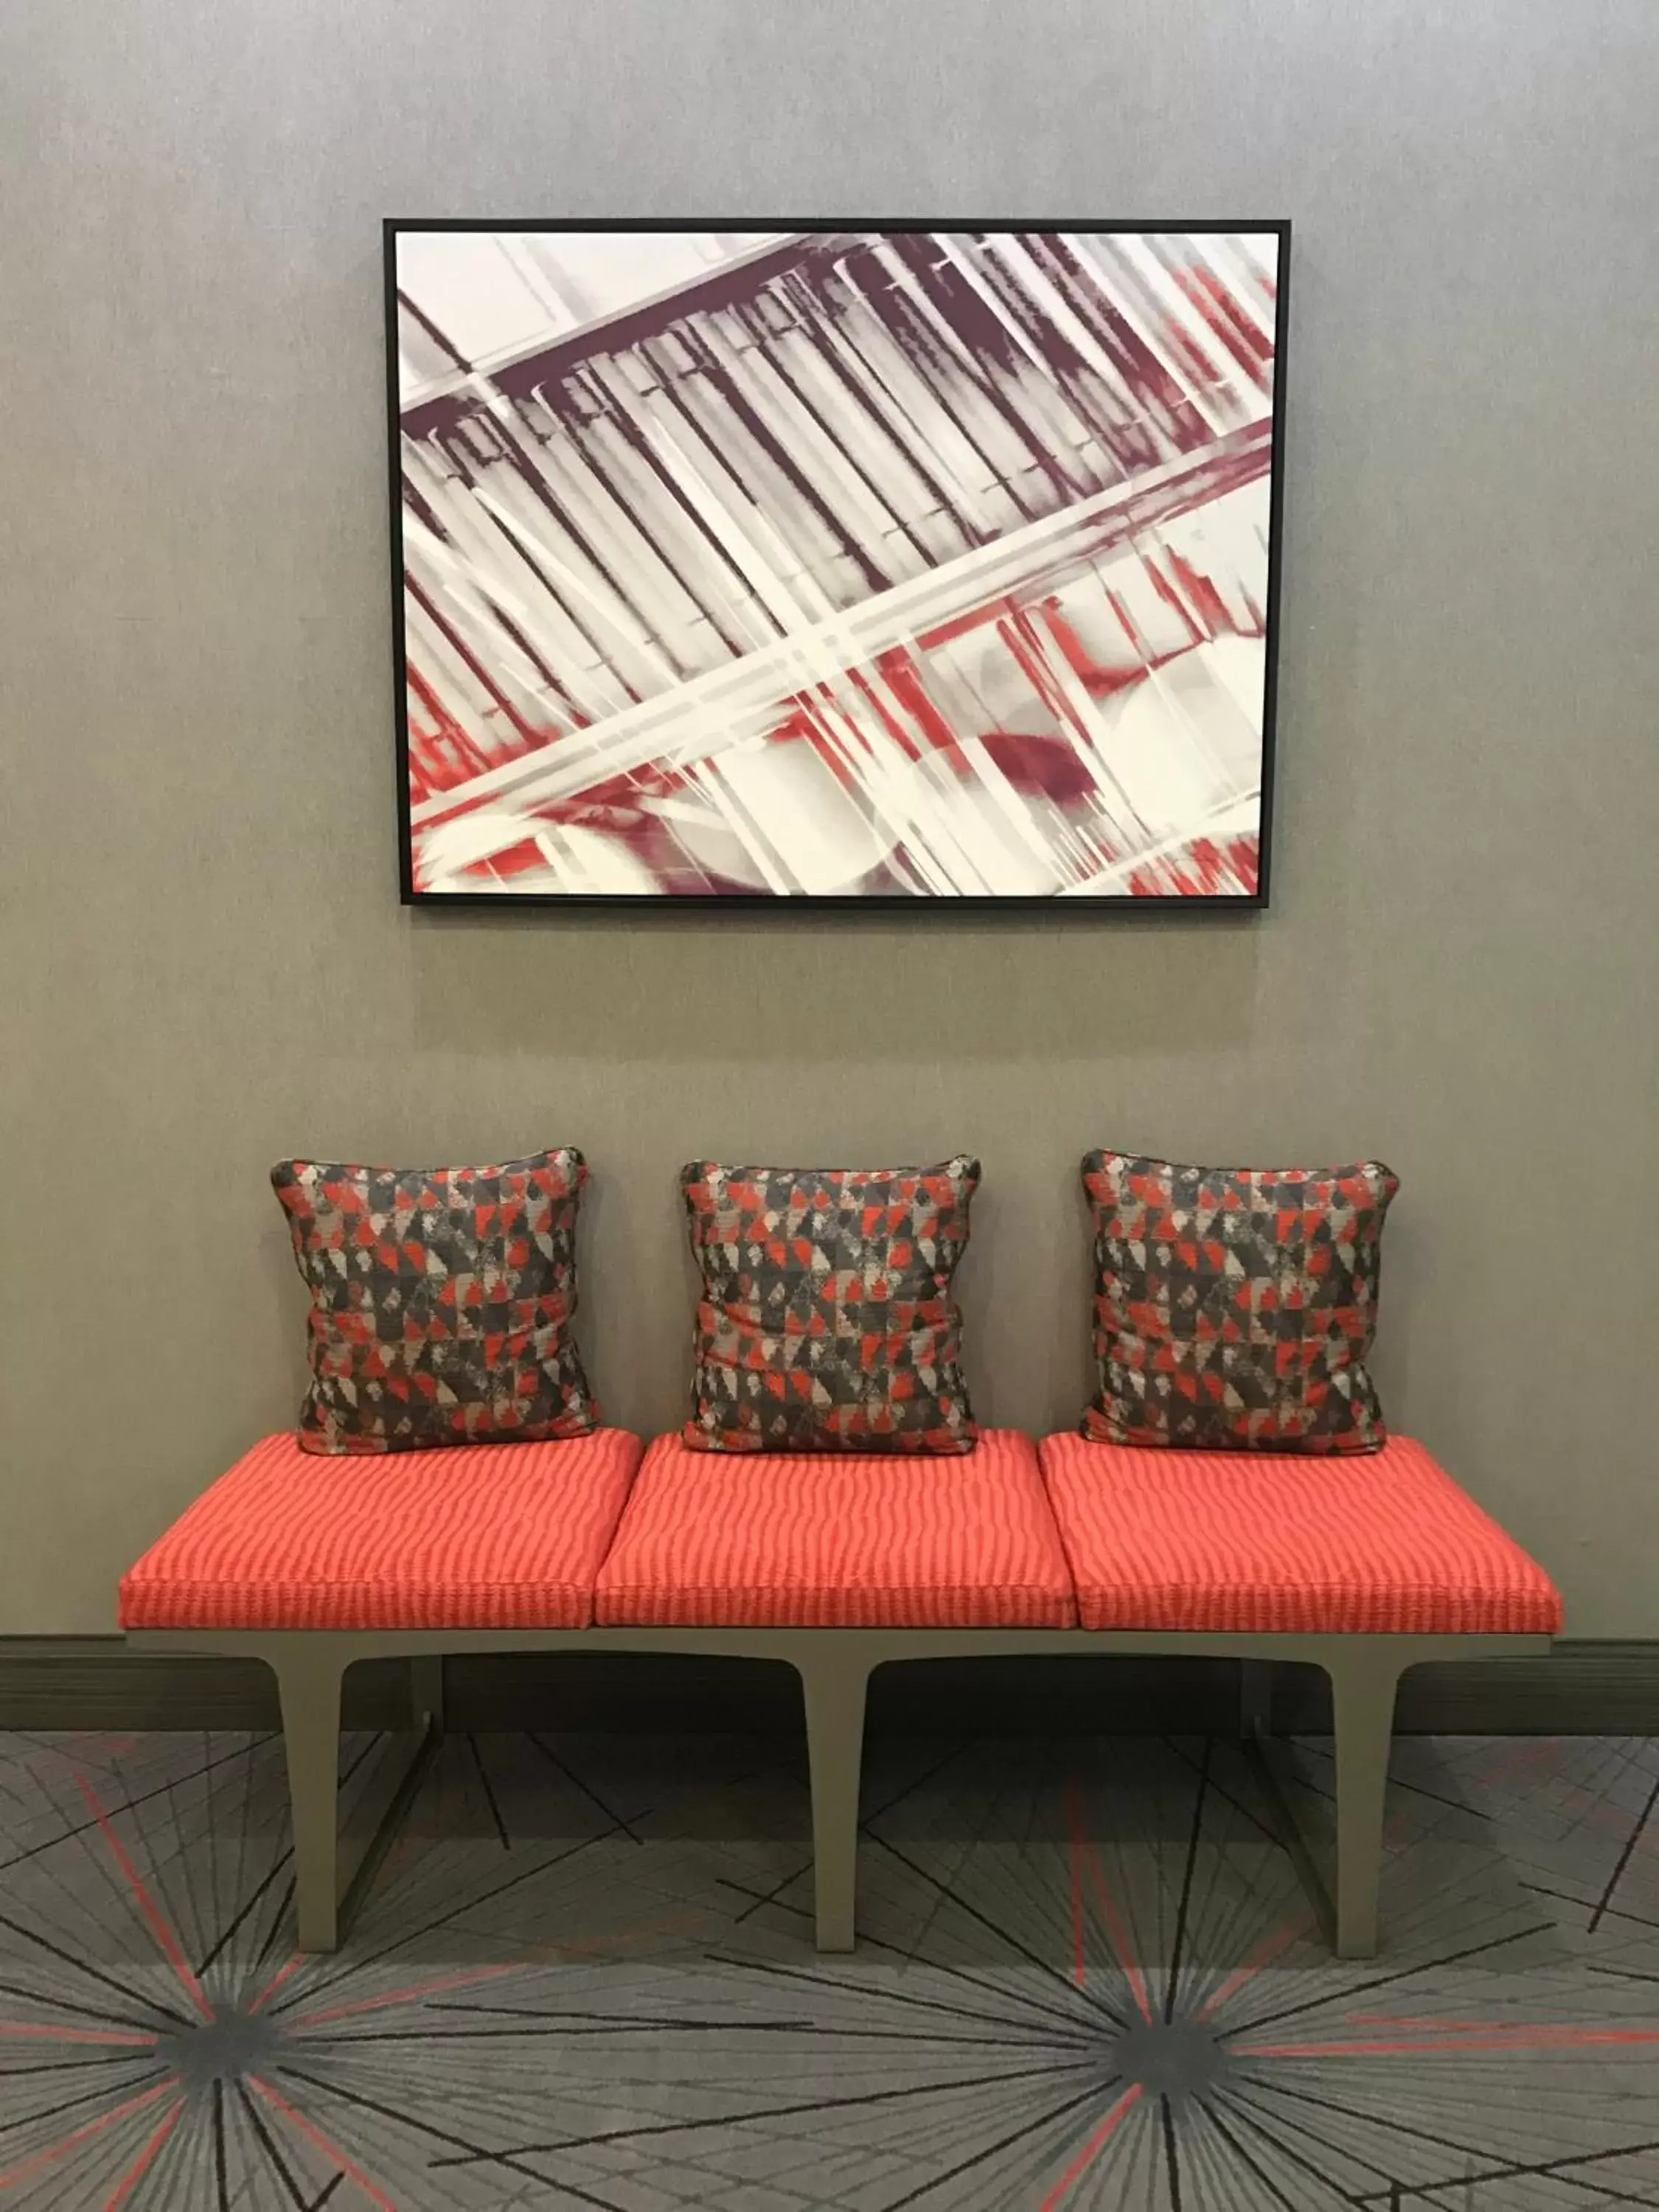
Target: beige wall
203,963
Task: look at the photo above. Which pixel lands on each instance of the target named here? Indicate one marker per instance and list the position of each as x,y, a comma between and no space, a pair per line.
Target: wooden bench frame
834,1665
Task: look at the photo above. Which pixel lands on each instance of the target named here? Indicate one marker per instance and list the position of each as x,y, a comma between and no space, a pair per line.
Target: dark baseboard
1581,1688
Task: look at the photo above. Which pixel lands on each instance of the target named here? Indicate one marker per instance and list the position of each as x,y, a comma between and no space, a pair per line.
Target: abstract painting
888,565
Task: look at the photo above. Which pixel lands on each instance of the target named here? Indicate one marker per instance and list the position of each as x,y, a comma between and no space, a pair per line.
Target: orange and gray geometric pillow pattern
826,1322
441,1302
1235,1308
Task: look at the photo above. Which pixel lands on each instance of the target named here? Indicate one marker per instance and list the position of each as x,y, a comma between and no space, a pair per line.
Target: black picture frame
1116,906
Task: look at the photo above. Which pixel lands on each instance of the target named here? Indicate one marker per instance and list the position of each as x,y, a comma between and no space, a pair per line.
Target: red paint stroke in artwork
1171,598
907,684
1024,642
1249,347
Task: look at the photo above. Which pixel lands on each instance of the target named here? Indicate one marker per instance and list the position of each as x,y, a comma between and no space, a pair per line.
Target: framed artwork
894,565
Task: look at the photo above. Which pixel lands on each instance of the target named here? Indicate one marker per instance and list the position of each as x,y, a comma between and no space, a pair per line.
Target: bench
1362,1565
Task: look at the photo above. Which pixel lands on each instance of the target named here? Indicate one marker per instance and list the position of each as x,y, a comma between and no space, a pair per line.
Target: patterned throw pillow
826,1322
441,1302
1234,1308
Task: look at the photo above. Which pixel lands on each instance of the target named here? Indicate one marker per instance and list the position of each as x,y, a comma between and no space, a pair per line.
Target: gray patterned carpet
1090,1976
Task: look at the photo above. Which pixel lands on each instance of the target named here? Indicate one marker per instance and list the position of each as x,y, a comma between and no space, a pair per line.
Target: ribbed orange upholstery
472,1536
837,1539
1385,1544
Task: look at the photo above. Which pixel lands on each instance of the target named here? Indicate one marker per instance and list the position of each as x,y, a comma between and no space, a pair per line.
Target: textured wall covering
200,948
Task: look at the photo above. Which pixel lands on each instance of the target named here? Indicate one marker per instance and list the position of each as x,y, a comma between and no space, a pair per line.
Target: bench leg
308,1685
834,1687
426,1692
1363,1686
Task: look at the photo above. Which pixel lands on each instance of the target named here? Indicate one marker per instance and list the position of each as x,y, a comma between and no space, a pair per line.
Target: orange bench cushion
465,1536
845,1540
1385,1544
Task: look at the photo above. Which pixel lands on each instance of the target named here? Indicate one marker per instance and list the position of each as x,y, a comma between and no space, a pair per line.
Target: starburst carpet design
1089,1975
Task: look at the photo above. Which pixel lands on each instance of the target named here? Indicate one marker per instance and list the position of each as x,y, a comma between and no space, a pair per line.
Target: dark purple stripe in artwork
518,378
